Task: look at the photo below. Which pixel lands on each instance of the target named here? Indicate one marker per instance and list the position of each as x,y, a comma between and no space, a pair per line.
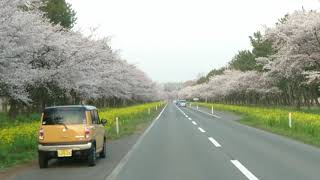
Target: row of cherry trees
44,64
290,76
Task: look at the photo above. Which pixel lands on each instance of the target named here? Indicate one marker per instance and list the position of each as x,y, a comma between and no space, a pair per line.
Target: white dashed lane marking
200,129
236,163
214,142
244,170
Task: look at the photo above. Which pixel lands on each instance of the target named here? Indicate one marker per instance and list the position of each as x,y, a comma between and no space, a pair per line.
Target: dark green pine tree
59,12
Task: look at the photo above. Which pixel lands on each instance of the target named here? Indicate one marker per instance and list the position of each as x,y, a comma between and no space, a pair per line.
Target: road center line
190,118
214,142
193,122
244,170
200,129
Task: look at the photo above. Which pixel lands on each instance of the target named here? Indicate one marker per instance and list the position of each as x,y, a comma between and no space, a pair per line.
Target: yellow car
71,131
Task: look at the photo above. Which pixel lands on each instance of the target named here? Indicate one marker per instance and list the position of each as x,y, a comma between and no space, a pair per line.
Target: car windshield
64,116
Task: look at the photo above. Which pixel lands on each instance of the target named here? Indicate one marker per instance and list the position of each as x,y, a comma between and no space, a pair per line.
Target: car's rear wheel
92,156
43,159
103,153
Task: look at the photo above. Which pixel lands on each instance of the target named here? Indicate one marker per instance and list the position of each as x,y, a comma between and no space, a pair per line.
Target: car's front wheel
92,156
43,159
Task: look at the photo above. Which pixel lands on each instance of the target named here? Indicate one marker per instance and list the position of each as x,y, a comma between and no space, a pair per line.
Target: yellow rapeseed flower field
25,130
129,117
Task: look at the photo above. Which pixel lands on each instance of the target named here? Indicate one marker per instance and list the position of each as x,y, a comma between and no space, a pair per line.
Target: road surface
186,144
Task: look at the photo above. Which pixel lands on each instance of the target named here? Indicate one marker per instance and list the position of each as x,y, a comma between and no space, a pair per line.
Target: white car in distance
182,103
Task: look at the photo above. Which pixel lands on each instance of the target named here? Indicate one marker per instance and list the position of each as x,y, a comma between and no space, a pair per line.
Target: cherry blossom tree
295,67
41,63
289,76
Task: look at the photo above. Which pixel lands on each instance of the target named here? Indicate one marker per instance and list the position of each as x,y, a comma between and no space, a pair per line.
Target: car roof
85,107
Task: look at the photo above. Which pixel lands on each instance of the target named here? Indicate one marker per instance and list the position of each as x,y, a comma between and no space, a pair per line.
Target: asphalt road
185,144
188,144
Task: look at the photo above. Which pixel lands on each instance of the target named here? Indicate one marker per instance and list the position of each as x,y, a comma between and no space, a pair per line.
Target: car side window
93,118
96,115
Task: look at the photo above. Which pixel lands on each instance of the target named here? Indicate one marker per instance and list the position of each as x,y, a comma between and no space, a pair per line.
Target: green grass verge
131,119
18,137
305,123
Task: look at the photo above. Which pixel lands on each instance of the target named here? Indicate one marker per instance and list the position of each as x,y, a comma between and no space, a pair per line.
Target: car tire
103,153
92,156
43,160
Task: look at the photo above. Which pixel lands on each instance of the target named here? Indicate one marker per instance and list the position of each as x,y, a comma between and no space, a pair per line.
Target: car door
99,130
94,129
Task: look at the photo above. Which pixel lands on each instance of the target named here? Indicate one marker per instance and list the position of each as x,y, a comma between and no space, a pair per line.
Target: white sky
175,40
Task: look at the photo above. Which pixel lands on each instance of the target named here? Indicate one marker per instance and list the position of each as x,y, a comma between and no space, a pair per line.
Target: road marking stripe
244,170
126,158
182,111
200,129
190,118
193,122
214,142
161,112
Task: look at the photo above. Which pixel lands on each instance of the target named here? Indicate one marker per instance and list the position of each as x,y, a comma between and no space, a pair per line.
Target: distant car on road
182,103
71,131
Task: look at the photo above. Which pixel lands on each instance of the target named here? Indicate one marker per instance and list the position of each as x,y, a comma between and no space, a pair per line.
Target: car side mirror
104,121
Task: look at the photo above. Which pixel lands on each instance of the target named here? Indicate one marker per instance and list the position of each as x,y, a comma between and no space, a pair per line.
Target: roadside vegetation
18,139
131,119
54,64
305,123
280,74
281,69
47,62
19,136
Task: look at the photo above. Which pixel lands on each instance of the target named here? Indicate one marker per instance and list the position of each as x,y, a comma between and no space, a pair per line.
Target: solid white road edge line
193,122
200,129
182,112
214,142
244,170
126,158
207,113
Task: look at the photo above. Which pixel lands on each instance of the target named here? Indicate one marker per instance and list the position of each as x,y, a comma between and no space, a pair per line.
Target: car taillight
87,133
41,134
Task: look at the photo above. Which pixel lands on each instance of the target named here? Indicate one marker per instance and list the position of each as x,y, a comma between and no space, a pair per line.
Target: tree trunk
14,110
5,105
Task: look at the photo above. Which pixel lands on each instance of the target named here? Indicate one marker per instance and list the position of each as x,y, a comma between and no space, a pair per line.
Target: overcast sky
175,40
